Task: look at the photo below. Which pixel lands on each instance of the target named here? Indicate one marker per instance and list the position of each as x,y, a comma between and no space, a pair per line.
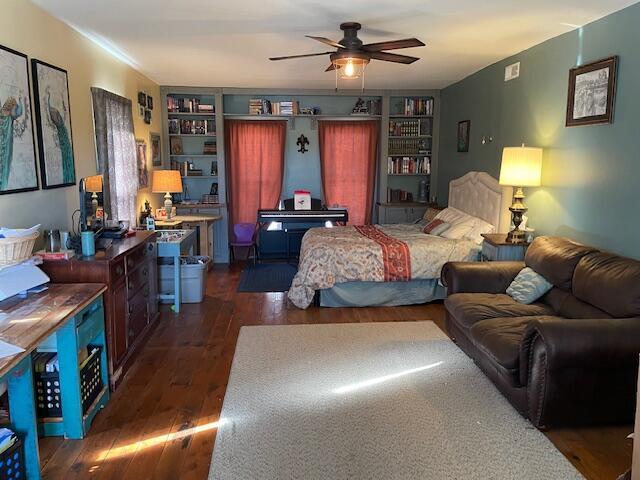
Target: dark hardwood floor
160,424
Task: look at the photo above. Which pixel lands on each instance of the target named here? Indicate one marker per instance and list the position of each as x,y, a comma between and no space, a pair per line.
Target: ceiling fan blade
330,67
392,57
301,56
326,41
393,45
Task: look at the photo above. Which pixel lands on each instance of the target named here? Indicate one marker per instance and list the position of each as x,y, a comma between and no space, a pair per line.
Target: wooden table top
26,322
500,239
202,217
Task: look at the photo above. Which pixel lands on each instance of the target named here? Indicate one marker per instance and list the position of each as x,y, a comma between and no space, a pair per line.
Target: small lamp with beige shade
93,184
521,167
167,182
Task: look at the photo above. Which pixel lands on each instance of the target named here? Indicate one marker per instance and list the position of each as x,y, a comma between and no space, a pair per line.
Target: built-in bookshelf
407,156
193,145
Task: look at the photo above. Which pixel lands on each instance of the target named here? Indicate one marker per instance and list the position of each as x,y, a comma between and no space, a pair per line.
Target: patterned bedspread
372,253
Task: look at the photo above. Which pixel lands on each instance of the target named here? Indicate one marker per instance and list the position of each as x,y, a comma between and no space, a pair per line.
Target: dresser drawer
138,278
133,259
116,270
138,314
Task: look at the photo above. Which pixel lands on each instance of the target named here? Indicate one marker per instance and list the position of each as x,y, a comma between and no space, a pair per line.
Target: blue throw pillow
528,286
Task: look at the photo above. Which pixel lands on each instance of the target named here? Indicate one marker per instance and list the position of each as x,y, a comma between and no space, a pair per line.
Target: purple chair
245,236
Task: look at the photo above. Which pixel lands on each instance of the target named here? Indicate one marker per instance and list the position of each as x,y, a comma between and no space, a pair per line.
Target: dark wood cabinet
129,270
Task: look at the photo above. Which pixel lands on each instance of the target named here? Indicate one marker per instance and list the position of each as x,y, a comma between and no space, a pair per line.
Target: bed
390,265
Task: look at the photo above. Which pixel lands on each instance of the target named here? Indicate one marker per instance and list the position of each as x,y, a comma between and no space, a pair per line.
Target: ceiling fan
352,56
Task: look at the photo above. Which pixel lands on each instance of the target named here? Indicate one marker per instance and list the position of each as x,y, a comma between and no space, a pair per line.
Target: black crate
47,386
12,462
91,378
48,400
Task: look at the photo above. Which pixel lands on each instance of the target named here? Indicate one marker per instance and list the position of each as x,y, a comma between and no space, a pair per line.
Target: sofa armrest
479,277
580,371
582,343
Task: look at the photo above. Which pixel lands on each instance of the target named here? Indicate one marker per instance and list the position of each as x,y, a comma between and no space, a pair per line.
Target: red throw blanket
395,253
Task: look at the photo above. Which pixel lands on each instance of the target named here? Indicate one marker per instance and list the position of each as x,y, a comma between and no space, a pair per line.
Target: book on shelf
188,105
262,106
210,147
396,195
192,127
409,165
367,107
418,106
409,146
410,128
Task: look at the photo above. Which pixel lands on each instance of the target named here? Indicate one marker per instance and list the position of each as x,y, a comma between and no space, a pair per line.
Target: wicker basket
16,250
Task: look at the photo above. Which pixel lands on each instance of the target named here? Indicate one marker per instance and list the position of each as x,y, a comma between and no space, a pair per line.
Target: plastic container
193,272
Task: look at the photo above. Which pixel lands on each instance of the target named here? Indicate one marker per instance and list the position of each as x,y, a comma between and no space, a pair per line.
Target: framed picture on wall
592,89
53,118
156,149
18,171
464,127
143,169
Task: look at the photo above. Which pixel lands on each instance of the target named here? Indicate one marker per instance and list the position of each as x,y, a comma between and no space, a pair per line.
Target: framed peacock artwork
53,117
18,171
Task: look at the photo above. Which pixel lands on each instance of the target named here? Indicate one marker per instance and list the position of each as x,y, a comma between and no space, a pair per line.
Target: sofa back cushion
565,304
610,282
555,258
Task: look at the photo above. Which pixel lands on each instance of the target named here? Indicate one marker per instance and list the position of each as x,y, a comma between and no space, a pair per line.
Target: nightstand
496,247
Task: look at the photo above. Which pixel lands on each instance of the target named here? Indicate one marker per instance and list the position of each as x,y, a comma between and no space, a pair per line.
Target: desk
27,323
173,244
168,224
203,225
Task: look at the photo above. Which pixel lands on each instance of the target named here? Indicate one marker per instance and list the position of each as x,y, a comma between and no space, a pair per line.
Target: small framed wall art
592,89
53,117
464,128
18,171
156,149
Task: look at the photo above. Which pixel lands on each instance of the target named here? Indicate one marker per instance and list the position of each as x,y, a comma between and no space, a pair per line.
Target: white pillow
528,286
464,225
451,215
459,229
479,228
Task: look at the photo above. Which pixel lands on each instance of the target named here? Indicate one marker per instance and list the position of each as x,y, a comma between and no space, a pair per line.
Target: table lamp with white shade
521,167
167,182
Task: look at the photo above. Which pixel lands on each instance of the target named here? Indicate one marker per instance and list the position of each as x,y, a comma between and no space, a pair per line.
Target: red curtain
348,152
255,163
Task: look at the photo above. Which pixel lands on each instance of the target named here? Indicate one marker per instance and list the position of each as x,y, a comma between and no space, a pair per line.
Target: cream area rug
370,401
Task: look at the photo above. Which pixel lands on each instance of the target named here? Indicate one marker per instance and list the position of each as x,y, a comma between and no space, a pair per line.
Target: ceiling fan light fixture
349,65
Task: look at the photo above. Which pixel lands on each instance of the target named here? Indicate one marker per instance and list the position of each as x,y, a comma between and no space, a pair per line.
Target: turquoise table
73,314
173,244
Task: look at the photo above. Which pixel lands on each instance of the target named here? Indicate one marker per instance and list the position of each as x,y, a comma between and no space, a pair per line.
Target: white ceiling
228,42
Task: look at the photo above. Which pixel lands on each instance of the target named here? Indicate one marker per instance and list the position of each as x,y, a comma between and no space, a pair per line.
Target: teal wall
591,174
302,170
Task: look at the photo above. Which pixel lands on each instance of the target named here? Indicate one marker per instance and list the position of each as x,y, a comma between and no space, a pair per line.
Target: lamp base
168,205
516,236
517,210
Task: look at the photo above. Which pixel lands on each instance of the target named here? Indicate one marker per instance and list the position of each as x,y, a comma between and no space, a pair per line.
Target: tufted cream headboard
480,195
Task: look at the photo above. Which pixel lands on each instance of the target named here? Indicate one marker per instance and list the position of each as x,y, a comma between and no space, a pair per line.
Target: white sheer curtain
116,149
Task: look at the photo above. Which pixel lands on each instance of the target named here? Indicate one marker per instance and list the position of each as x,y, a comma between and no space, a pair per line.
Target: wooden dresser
129,270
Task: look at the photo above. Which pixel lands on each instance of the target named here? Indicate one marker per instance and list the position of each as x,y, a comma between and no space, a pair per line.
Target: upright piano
281,231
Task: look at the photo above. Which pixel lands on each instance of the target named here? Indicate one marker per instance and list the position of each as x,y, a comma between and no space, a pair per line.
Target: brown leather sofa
570,358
